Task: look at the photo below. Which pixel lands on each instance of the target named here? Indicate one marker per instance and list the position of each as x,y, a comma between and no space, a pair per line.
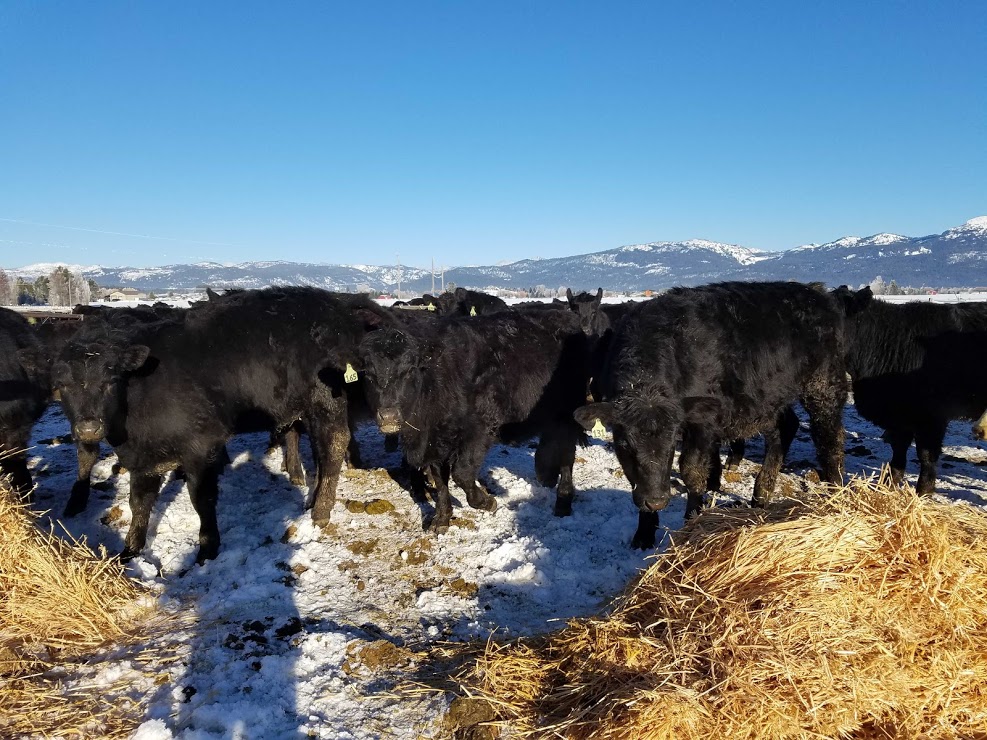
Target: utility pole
399,276
443,278
433,275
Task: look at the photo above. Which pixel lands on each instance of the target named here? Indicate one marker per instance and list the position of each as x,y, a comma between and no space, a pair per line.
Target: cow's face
393,368
91,382
644,442
591,318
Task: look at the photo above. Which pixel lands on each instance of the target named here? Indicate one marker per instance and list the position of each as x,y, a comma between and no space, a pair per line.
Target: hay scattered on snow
59,603
860,615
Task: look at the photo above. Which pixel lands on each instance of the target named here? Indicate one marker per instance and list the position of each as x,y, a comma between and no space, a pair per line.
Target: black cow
57,335
720,362
24,393
463,302
451,389
169,394
914,367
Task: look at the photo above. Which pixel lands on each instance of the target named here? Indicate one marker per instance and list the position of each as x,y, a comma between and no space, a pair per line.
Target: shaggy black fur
170,393
720,362
451,389
915,367
24,392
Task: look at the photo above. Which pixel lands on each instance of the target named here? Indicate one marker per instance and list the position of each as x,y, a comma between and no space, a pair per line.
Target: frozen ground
279,622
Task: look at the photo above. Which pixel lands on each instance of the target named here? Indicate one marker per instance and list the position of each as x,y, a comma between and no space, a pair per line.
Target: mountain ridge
955,258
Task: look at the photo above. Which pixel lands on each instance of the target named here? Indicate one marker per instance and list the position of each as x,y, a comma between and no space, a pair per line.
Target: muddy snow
298,632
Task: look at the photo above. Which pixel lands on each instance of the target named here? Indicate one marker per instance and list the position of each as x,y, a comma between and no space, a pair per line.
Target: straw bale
858,615
62,607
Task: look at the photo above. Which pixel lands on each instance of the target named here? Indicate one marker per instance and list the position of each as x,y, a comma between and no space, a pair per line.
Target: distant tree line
59,288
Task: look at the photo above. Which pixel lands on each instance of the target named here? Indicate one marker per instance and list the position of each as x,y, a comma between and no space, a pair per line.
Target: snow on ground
278,620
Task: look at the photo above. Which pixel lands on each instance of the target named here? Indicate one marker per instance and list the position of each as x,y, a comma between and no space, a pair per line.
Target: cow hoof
298,480
437,526
563,508
643,542
322,522
206,553
73,508
128,554
486,503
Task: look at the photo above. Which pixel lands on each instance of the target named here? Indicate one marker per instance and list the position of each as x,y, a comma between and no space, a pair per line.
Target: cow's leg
554,460
292,461
714,476
202,477
737,449
392,442
144,488
13,461
788,426
439,522
330,436
659,478
465,469
87,454
767,476
900,440
826,424
928,443
694,465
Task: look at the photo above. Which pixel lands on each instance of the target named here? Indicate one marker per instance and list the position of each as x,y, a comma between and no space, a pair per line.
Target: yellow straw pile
59,603
860,615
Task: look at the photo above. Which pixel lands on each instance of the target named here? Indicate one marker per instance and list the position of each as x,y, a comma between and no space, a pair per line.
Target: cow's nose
389,420
88,430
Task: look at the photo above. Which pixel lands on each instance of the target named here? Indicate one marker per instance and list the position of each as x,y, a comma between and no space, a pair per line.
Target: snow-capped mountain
955,258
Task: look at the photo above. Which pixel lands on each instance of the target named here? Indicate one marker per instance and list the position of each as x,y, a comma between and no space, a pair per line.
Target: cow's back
753,346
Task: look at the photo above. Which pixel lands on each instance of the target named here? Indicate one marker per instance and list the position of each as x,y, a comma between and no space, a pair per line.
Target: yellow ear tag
472,310
430,307
598,431
350,375
32,320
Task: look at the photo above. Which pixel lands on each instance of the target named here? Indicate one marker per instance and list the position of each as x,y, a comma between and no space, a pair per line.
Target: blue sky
480,132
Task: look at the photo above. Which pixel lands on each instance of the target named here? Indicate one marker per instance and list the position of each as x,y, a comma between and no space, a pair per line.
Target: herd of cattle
699,367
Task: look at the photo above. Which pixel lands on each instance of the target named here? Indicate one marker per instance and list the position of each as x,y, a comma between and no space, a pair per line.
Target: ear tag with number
430,307
472,310
598,431
350,375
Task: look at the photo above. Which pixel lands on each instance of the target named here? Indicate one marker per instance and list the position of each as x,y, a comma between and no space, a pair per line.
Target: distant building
125,294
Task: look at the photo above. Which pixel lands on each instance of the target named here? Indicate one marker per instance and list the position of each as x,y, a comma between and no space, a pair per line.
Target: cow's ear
591,414
34,360
599,295
370,319
568,294
133,357
704,409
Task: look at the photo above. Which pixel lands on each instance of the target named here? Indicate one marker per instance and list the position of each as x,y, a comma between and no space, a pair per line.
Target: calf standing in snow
452,388
169,394
720,362
915,367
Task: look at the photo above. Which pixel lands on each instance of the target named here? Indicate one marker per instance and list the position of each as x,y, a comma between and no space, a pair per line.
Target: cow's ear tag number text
350,375
598,431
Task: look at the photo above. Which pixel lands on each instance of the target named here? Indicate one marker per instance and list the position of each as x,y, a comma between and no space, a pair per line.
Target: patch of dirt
379,506
379,655
465,717
464,588
362,547
288,534
732,476
113,515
